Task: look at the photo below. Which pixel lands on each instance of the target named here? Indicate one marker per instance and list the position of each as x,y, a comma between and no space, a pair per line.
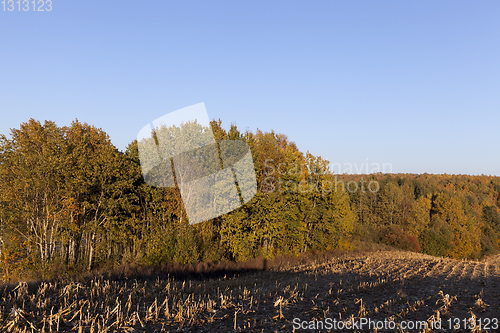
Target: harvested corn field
394,287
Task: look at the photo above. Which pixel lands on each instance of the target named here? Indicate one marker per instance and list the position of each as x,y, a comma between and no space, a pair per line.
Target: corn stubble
379,285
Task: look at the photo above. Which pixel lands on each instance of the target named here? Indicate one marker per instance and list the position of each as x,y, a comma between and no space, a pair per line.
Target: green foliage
437,240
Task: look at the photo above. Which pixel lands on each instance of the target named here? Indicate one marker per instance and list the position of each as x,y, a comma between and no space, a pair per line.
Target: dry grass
378,285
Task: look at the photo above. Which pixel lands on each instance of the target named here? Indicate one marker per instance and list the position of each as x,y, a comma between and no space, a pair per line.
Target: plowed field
395,288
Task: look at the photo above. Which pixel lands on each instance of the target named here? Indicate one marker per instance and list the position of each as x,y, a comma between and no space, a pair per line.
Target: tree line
68,196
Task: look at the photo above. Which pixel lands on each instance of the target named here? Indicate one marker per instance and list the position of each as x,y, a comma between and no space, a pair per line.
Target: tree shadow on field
209,269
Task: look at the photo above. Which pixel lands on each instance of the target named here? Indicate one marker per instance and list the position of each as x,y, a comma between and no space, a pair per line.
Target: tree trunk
91,250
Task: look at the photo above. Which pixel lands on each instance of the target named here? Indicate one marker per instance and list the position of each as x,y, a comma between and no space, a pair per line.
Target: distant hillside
449,215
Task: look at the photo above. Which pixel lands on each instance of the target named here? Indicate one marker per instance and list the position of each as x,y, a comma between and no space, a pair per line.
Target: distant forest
68,197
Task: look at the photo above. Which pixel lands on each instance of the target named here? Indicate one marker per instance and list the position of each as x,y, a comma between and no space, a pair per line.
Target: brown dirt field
382,285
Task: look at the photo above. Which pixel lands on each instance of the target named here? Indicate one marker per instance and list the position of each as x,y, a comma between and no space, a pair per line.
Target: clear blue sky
412,83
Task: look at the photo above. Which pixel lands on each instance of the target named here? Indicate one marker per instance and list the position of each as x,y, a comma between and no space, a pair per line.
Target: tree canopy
68,196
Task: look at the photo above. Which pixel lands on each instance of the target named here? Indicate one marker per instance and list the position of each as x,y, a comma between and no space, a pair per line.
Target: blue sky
412,83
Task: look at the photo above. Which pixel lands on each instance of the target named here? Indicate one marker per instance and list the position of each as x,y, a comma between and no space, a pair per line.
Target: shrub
394,235
437,241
